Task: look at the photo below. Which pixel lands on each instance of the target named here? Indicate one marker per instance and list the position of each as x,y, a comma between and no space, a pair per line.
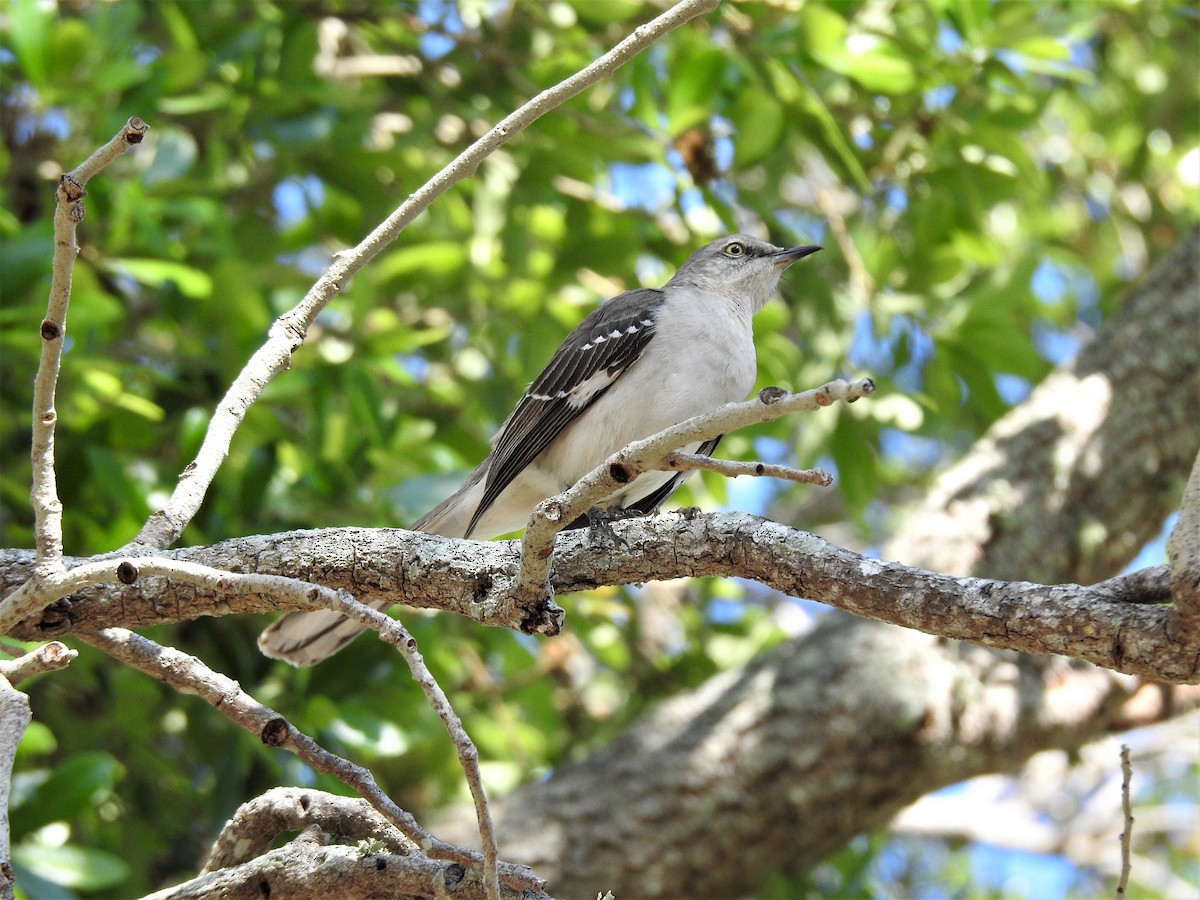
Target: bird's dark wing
651,502
588,363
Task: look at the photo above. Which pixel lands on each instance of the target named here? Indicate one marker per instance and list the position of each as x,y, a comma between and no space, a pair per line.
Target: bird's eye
735,249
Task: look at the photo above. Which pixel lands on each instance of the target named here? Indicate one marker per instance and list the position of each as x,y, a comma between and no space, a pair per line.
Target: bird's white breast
701,357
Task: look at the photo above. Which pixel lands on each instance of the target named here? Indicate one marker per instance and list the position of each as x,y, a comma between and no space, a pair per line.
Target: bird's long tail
306,638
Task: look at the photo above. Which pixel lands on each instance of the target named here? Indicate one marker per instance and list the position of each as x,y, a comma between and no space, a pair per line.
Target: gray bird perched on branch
644,361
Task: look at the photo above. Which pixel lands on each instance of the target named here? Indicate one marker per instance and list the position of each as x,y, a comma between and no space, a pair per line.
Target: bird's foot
600,530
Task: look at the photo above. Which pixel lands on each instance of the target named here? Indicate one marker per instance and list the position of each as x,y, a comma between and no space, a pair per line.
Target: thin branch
190,676
289,331
554,514
1127,811
68,213
46,658
731,468
392,632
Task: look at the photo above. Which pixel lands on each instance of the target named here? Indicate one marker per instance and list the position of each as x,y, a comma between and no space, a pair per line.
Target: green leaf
692,89
758,119
30,36
831,139
430,258
79,868
878,68
157,273
857,475
1042,47
73,787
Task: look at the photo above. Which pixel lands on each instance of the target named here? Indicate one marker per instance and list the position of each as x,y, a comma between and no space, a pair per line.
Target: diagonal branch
189,675
289,331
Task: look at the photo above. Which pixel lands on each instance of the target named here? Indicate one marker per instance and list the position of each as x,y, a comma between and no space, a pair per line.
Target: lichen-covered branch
1120,624
258,822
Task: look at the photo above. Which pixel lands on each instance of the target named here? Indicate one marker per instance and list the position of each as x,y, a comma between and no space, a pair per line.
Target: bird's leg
600,530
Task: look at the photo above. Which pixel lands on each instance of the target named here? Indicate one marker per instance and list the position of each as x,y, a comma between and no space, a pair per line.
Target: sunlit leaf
78,868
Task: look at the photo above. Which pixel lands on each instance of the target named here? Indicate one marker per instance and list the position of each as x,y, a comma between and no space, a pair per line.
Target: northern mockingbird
644,361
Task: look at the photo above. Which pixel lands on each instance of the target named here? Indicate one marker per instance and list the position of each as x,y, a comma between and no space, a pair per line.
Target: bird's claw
600,530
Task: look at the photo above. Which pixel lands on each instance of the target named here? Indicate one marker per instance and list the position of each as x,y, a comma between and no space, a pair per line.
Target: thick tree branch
290,330
1105,624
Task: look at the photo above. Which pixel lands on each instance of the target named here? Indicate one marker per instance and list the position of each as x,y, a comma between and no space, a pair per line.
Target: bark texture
775,765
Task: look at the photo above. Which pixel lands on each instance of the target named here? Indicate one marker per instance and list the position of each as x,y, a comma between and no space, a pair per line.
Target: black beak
785,258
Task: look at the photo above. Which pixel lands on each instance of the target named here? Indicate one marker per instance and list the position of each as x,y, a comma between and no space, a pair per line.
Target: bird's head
740,266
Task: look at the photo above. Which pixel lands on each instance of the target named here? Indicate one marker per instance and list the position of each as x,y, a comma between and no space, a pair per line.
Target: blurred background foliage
987,179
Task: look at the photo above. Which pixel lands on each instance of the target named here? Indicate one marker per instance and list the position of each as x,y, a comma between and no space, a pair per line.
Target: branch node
135,130
771,395
127,572
276,732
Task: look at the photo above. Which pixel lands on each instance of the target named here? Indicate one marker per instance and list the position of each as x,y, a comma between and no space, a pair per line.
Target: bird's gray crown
739,266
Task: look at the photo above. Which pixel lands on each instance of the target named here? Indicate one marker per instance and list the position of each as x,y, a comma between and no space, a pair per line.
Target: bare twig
46,658
1127,811
289,331
189,675
554,514
68,213
731,468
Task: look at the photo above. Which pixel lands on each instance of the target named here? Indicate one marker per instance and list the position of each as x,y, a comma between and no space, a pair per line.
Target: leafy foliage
986,177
